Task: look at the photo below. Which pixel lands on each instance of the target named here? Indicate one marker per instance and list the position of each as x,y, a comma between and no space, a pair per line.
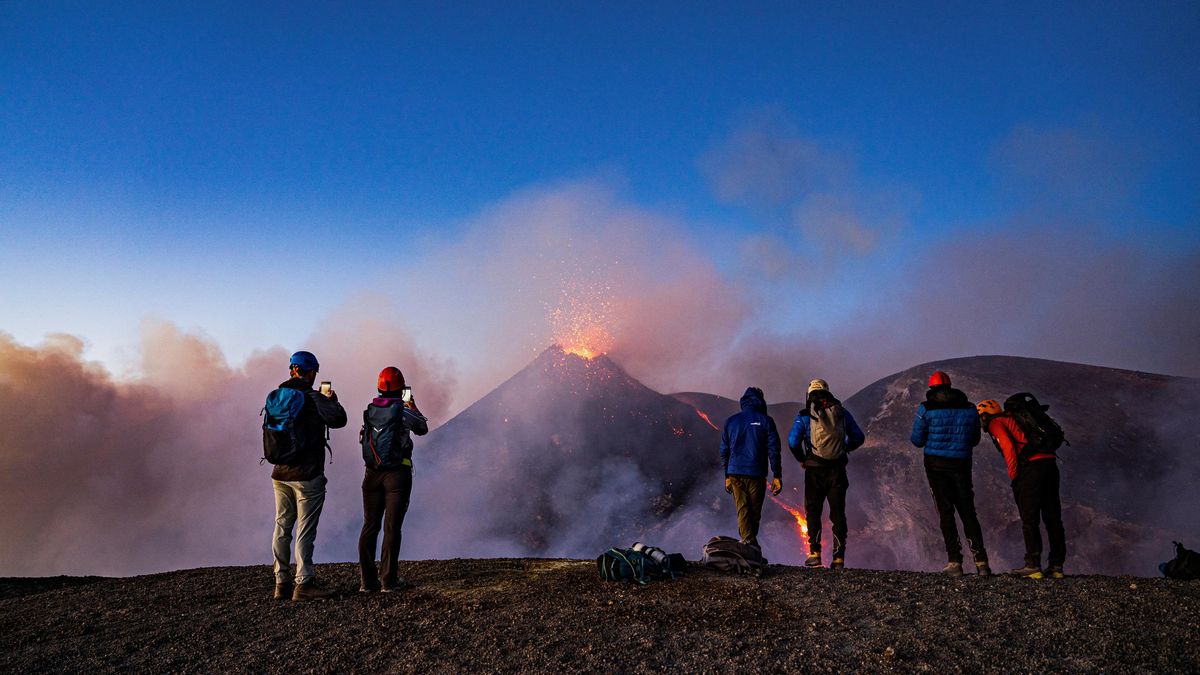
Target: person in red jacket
1034,476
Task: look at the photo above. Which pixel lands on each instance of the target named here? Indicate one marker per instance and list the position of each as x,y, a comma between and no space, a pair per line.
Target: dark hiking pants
748,496
821,484
950,483
1036,492
385,498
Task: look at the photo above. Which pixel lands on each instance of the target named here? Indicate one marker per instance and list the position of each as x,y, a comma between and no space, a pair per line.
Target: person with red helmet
1035,485
947,427
387,449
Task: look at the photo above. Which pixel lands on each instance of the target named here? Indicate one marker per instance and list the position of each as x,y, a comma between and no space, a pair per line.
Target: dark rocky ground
541,615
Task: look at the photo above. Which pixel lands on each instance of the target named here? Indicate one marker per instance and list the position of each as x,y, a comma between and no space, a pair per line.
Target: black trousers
953,491
385,498
820,484
1036,492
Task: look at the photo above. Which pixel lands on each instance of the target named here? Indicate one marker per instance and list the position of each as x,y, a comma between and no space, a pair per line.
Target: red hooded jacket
1008,435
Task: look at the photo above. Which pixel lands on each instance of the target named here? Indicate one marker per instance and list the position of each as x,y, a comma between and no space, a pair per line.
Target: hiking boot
312,590
1028,571
952,569
1055,572
813,560
982,569
283,591
395,586
838,564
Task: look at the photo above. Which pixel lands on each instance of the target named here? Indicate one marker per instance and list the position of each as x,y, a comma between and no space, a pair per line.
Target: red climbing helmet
938,377
390,379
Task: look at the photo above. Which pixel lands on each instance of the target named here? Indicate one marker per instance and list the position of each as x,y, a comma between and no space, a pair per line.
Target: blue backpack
386,443
281,445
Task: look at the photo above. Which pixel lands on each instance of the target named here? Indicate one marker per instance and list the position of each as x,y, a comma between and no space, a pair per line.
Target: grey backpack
827,427
726,554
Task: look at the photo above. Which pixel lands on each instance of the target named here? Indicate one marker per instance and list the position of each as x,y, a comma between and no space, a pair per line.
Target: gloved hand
729,484
776,486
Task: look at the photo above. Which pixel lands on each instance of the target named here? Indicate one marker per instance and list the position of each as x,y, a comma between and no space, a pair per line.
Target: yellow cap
817,384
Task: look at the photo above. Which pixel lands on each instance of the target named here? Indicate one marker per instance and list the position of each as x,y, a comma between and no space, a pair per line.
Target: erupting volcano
572,455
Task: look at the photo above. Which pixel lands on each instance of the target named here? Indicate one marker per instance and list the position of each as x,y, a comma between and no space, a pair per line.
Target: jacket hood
944,394
753,400
820,395
296,383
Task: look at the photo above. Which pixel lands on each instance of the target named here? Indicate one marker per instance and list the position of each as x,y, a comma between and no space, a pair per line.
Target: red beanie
938,377
390,379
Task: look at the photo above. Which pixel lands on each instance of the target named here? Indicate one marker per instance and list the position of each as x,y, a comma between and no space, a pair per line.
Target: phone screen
326,387
406,394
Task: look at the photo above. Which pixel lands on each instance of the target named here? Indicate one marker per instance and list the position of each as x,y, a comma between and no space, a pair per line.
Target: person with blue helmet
947,426
300,483
749,443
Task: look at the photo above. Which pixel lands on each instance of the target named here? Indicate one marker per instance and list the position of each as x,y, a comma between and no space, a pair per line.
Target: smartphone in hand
406,395
327,389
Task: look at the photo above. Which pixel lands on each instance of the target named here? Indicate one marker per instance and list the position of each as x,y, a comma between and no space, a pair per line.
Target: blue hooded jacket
750,439
947,424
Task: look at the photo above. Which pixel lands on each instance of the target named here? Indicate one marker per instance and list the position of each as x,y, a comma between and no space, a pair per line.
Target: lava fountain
798,515
581,317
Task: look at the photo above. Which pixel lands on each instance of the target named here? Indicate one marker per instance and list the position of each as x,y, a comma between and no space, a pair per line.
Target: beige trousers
298,504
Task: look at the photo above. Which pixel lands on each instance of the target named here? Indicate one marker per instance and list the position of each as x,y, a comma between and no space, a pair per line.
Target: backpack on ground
1185,566
827,426
1041,431
639,563
727,554
281,443
386,443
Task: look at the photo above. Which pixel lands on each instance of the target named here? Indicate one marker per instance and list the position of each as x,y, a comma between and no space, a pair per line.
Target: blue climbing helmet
305,361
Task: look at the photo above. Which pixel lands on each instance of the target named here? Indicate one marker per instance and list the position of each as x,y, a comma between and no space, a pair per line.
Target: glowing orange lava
801,521
704,417
582,352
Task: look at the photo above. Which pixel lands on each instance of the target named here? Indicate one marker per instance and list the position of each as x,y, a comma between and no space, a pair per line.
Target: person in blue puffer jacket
947,427
749,442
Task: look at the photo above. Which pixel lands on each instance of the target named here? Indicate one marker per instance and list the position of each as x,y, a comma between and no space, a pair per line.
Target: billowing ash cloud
105,477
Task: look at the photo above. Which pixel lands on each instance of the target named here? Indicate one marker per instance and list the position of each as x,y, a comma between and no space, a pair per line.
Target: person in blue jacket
947,427
821,439
749,442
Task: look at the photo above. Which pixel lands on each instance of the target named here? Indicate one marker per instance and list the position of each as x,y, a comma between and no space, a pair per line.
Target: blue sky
175,160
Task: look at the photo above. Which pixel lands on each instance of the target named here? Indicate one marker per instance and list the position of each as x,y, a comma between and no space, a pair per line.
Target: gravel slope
527,614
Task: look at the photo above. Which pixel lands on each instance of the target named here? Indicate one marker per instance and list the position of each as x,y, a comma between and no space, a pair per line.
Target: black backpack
386,443
1185,566
1041,431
